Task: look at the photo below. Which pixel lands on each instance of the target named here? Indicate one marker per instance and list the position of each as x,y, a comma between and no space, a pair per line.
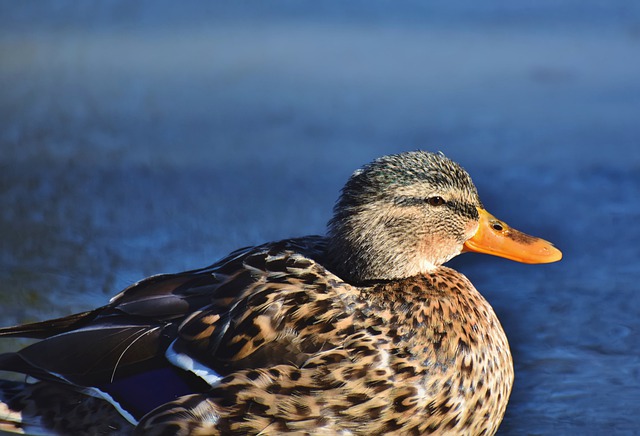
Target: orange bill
497,238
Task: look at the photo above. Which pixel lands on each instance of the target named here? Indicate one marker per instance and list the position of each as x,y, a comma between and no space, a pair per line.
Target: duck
363,331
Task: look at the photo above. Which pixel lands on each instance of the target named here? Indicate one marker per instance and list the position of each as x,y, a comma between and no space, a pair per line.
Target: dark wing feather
97,354
45,329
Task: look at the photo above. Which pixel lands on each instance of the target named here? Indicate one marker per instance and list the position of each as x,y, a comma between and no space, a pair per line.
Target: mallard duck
360,332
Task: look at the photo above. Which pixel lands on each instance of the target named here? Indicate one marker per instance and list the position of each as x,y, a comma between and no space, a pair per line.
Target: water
145,139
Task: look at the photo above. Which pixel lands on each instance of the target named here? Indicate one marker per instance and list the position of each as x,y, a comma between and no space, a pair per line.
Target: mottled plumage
361,332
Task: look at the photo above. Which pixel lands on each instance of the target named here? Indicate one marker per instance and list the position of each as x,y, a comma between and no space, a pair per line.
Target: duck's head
406,214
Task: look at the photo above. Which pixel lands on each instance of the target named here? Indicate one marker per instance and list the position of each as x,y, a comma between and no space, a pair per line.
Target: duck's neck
374,257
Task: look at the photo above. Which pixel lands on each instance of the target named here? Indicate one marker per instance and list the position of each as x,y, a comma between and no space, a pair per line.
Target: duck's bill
497,238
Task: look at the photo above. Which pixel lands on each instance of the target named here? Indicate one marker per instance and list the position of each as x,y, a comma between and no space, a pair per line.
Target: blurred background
156,136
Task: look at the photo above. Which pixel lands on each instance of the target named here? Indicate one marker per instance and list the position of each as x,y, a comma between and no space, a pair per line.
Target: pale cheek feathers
471,229
435,251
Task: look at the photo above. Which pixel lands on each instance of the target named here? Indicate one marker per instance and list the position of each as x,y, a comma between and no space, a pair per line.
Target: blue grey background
156,136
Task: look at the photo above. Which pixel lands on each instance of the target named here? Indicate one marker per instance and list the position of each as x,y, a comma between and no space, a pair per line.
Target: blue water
145,138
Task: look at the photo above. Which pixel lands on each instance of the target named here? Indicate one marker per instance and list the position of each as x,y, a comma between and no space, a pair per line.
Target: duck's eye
435,201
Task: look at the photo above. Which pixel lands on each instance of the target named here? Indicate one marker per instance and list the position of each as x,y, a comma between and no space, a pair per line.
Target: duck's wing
136,326
185,328
90,348
116,352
